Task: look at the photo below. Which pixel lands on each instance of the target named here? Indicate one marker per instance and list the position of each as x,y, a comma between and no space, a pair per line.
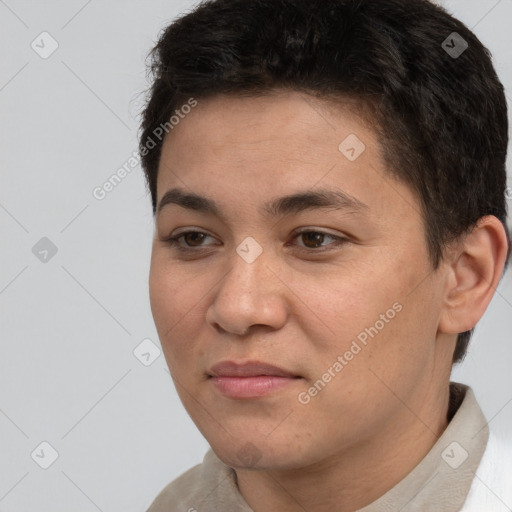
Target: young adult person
328,184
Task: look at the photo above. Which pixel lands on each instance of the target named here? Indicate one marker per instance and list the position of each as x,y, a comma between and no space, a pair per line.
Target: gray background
70,324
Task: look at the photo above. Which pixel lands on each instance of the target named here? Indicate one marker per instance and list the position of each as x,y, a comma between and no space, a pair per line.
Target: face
296,300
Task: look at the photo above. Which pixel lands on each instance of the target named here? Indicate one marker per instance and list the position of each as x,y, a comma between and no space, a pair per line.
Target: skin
304,300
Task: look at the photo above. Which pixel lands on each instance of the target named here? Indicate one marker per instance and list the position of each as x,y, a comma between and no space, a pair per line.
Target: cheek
350,301
372,306
175,299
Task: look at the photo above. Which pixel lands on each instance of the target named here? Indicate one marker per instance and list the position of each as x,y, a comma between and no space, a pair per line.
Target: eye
192,239
313,239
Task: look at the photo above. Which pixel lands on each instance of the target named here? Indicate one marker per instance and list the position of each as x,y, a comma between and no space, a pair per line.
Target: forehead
279,114
254,148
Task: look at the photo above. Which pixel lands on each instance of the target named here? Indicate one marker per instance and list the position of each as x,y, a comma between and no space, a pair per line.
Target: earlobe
475,271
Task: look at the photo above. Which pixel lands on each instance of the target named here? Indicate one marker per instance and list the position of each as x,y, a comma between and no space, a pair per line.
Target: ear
475,270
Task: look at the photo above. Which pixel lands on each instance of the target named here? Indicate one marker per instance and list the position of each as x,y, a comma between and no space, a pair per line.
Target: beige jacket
440,483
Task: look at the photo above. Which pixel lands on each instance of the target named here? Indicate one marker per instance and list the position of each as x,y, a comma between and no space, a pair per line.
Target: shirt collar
441,481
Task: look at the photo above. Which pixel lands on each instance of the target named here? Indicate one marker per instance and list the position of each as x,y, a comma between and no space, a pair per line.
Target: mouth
252,379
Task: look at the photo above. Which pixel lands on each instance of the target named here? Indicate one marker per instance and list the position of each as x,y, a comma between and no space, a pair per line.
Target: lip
252,379
248,369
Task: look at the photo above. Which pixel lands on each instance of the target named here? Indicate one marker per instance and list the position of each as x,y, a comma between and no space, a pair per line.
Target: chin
249,452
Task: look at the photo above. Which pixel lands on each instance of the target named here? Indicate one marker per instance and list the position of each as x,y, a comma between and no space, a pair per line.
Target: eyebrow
280,207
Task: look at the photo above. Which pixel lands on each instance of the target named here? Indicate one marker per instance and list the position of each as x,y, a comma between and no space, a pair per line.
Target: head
372,125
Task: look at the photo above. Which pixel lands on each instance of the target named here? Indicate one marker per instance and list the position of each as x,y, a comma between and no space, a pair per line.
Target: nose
249,295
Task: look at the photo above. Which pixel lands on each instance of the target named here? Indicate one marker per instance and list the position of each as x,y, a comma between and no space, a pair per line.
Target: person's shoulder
185,489
210,484
180,491
491,489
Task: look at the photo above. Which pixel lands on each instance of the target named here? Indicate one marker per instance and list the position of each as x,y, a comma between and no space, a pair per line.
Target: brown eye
316,240
313,239
188,241
194,238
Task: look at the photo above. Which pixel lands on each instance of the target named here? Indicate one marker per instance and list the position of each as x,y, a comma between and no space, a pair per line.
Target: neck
358,476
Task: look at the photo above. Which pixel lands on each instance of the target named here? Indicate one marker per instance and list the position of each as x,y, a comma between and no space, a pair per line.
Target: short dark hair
441,116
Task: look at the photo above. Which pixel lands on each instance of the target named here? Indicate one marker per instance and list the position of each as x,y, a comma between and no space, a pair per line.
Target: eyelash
175,244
